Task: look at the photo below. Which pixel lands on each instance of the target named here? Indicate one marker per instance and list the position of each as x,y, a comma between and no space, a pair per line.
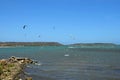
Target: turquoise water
69,63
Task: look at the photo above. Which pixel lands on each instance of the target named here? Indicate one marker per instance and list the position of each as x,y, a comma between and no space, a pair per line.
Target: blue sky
64,21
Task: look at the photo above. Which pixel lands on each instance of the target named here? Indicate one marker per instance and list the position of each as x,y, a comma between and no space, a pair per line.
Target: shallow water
80,64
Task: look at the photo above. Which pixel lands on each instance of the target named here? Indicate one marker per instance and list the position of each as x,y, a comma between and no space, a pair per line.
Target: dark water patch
96,68
115,69
38,77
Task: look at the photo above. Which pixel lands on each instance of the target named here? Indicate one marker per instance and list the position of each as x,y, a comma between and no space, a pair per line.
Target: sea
68,62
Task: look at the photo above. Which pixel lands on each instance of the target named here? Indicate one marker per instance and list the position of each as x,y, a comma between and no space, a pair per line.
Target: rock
21,60
12,59
28,78
9,78
3,62
12,67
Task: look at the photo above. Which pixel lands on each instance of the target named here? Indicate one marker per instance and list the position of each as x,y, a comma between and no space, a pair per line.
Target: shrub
10,65
1,69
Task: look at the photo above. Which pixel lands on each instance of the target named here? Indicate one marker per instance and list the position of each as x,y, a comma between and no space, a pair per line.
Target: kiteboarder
24,26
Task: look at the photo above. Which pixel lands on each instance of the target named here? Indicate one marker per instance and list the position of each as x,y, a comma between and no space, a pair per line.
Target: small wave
28,66
38,64
71,47
66,55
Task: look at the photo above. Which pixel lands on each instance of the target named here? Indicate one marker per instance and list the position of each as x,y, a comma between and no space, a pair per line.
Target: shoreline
14,44
30,44
12,67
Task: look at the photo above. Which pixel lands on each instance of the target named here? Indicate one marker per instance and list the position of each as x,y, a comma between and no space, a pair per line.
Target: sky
64,21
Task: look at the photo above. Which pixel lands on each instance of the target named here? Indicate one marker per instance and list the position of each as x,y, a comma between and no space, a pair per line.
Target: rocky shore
11,68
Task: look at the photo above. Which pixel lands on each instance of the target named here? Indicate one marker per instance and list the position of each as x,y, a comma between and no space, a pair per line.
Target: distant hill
93,44
30,44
